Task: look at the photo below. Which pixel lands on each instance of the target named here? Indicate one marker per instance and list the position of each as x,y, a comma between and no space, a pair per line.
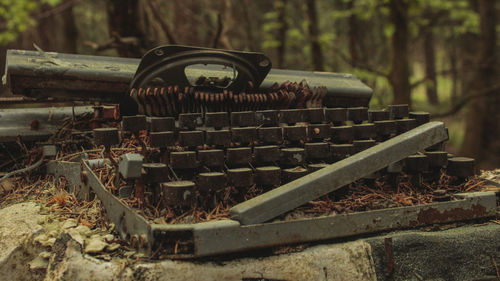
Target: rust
389,257
433,215
174,100
112,113
139,189
34,125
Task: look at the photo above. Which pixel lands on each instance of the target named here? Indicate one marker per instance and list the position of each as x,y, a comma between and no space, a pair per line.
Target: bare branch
492,91
357,64
116,42
155,8
218,31
425,79
56,10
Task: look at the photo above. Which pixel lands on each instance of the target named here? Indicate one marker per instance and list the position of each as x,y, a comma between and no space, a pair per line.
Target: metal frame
296,193
227,236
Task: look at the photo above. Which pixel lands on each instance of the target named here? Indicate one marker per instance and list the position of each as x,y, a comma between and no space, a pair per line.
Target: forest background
439,56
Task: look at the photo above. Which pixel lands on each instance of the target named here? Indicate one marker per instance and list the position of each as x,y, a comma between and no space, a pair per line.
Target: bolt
83,177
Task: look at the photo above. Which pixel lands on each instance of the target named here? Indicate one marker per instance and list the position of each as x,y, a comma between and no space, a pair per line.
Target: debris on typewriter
204,164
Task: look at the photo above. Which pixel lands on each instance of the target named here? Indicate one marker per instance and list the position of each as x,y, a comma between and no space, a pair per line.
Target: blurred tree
187,30
247,7
56,29
430,55
316,52
281,36
353,33
16,17
482,139
399,76
126,26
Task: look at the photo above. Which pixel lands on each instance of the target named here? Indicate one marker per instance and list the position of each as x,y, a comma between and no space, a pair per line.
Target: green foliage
470,21
269,29
16,17
389,29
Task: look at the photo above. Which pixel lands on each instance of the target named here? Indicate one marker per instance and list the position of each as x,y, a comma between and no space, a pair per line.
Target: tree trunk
55,31
454,72
467,48
353,34
282,34
251,43
430,66
483,126
316,53
124,25
70,31
185,23
400,71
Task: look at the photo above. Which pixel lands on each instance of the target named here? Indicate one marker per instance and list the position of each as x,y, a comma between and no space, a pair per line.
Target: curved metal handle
167,64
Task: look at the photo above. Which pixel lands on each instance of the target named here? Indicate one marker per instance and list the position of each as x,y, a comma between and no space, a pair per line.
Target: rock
112,247
19,223
105,257
77,236
95,245
84,230
69,223
109,237
347,261
130,254
45,255
45,240
74,265
6,186
49,242
41,238
38,263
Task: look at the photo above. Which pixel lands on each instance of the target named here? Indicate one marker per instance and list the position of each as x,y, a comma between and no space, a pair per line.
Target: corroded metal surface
72,172
289,196
230,236
16,122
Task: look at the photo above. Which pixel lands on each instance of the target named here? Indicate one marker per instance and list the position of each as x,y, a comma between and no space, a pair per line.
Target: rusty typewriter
196,152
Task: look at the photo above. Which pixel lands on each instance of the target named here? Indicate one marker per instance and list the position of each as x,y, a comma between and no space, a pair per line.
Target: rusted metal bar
16,122
226,236
296,193
81,77
389,257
